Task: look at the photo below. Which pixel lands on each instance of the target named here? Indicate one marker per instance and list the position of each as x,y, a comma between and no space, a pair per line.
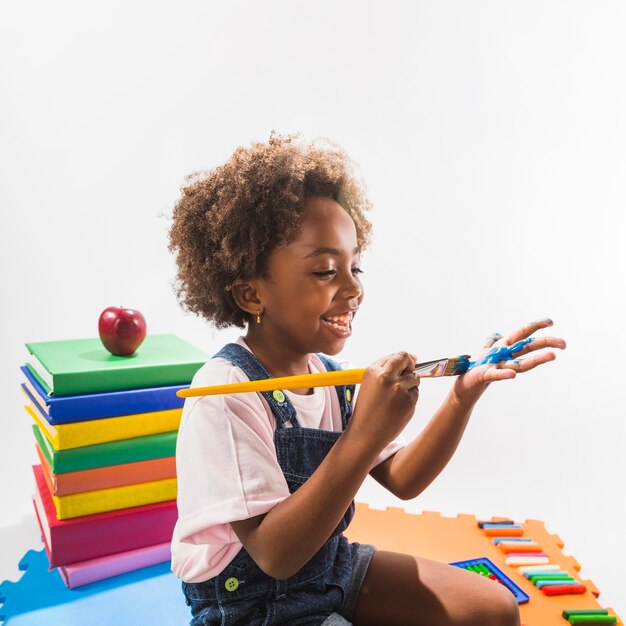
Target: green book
79,366
103,454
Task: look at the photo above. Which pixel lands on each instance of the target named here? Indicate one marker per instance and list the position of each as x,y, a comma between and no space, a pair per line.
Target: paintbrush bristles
443,367
457,366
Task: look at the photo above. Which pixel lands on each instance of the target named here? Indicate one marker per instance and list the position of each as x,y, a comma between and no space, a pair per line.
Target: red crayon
559,590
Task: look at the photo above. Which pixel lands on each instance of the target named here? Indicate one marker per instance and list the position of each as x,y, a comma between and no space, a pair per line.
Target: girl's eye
329,273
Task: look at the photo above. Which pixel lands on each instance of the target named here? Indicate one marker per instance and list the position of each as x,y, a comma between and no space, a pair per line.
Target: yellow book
89,433
114,498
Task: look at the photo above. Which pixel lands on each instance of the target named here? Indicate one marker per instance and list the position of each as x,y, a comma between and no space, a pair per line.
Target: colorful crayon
567,613
589,616
563,580
505,522
497,540
536,569
558,590
499,525
533,578
502,531
519,547
526,560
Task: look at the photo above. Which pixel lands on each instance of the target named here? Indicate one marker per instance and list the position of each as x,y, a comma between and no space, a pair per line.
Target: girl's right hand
386,401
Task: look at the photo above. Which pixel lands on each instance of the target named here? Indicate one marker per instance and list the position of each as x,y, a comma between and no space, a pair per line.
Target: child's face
313,289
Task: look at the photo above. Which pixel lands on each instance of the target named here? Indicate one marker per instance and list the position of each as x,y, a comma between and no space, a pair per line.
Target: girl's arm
283,540
408,472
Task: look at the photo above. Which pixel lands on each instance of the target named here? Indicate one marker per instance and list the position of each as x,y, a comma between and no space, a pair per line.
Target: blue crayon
497,540
540,584
529,575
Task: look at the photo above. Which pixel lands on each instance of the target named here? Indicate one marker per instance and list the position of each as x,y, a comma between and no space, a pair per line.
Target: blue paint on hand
501,353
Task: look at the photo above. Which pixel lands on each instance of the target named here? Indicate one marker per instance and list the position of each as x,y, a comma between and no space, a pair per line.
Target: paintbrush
431,369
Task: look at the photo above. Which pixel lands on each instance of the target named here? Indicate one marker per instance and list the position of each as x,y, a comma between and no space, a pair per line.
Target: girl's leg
411,591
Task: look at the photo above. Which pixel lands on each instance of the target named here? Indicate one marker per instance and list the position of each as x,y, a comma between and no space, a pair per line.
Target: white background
492,137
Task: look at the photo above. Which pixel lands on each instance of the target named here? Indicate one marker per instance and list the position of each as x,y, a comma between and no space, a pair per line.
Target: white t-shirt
227,467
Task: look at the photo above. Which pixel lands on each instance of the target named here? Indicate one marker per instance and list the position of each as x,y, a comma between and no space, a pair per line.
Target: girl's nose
353,289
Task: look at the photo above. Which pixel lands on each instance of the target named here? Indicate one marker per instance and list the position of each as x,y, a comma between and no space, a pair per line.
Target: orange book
107,477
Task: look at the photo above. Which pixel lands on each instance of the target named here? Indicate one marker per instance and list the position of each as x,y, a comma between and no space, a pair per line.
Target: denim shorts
321,601
361,557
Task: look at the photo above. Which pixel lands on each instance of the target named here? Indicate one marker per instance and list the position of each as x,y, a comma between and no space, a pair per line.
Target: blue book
91,406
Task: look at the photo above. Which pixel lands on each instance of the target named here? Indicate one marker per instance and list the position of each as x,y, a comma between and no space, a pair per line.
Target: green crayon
592,619
535,579
568,612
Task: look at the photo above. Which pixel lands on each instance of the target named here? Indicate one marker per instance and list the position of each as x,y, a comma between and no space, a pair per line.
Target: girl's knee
502,609
494,605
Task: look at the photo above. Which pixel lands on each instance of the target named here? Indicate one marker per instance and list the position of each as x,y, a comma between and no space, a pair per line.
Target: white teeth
344,319
340,322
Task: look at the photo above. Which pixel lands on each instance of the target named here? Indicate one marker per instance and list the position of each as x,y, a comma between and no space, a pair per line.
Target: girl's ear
246,297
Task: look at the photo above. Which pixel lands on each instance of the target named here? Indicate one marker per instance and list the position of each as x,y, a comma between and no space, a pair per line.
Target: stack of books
105,429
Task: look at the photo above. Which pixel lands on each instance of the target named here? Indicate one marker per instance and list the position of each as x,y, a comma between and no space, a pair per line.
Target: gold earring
258,316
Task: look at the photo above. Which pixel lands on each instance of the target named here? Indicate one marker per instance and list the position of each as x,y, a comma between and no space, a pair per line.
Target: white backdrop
491,135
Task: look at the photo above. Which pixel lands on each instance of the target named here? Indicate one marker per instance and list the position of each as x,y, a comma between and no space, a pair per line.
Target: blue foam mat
151,595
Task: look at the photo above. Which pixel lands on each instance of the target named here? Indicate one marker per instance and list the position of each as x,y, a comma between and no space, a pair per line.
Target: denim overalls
243,594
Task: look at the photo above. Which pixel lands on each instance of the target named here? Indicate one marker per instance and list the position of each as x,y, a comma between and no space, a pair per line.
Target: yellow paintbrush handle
323,379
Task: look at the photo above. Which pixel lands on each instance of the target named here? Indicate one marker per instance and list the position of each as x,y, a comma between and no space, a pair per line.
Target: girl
271,241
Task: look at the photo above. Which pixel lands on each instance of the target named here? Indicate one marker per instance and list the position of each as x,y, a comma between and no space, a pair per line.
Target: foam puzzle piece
153,596
148,596
447,539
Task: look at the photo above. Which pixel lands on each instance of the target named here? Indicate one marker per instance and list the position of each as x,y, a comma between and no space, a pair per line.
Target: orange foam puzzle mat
452,539
153,594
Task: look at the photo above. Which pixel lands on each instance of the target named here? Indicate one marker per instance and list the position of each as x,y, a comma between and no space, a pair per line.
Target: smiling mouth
341,323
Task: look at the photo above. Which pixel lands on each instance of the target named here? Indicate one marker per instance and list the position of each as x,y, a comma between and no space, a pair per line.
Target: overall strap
280,404
344,392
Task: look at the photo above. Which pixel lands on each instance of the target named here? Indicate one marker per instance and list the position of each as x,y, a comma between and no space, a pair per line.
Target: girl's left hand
499,359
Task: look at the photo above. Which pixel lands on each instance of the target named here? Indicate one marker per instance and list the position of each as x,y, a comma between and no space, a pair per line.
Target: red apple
121,330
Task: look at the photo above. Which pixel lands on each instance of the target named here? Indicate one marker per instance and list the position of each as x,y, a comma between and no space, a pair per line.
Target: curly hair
230,219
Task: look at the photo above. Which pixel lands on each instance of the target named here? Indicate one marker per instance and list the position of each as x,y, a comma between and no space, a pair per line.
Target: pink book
92,536
86,572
